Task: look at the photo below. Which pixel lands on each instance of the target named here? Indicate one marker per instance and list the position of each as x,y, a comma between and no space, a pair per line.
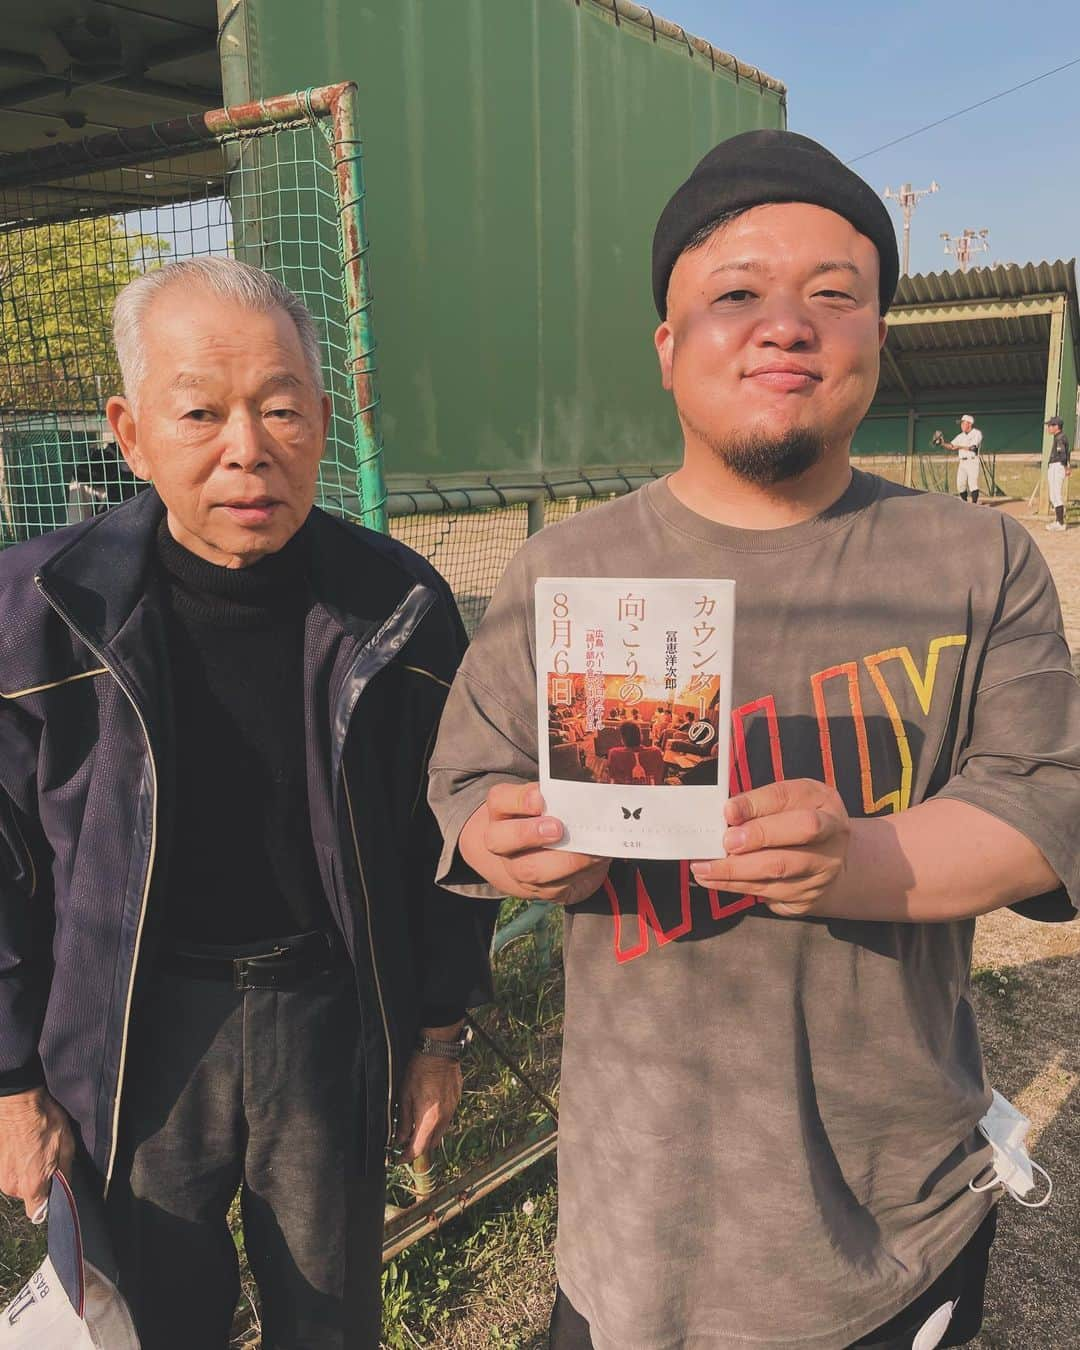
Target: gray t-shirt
767,1125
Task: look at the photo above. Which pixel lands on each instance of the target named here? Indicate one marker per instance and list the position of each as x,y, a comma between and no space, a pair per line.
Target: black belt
282,964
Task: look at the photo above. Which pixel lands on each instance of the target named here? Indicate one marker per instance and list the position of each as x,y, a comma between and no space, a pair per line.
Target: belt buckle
245,966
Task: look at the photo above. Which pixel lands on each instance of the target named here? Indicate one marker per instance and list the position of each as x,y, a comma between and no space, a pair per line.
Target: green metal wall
517,154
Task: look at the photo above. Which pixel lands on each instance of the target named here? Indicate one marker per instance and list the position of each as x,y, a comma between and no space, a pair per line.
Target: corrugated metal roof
970,353
1007,281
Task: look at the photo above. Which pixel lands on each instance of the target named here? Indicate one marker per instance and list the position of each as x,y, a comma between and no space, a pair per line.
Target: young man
771,1072
1058,470
967,445
225,965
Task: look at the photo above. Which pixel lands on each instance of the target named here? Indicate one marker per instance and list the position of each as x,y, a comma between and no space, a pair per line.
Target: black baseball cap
1054,422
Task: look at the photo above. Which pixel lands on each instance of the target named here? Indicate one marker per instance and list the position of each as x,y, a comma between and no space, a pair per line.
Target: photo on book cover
633,712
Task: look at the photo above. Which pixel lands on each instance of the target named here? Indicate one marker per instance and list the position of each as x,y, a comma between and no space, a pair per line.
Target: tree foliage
58,282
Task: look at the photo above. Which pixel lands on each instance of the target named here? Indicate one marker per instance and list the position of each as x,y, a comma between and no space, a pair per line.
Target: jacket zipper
386,644
146,884
374,966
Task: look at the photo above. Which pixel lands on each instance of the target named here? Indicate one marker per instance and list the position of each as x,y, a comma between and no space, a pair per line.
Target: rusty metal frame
333,104
431,1211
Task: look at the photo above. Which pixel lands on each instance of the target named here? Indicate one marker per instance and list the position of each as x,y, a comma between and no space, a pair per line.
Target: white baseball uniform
967,445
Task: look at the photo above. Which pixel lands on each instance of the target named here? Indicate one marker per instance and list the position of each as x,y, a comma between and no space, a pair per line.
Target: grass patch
1004,989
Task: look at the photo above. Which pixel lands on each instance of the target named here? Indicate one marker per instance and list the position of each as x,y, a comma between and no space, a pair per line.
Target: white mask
1005,1129
934,1328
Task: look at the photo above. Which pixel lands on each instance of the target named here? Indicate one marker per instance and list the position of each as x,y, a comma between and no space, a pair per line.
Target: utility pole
964,247
909,198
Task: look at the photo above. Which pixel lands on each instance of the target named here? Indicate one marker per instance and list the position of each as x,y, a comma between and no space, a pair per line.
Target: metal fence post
349,168
536,515
1053,394
909,457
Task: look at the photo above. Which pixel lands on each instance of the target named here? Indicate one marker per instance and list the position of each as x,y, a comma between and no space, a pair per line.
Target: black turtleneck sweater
241,866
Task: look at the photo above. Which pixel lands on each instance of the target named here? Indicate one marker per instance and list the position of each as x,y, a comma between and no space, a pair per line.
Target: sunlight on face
227,423
773,329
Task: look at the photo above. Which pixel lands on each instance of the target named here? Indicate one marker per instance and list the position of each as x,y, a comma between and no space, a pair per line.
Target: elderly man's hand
35,1141
429,1097
786,844
505,841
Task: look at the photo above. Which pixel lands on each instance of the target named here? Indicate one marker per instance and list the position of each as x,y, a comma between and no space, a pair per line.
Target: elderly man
225,965
771,1073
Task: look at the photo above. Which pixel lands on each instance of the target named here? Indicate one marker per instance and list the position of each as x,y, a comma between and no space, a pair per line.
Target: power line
970,108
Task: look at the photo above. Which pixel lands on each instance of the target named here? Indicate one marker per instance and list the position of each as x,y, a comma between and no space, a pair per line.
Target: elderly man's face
773,332
227,423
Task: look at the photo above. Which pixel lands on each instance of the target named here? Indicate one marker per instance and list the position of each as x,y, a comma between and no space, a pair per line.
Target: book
633,693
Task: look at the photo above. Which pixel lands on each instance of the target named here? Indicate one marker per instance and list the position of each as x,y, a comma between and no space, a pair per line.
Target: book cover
633,691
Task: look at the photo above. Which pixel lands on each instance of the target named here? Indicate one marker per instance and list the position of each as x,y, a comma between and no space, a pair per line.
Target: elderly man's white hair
228,279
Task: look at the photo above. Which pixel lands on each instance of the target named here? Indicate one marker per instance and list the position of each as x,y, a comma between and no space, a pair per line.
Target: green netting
937,473
565,507
471,547
266,195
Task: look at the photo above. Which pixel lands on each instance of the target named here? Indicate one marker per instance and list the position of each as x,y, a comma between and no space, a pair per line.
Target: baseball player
967,445
1059,469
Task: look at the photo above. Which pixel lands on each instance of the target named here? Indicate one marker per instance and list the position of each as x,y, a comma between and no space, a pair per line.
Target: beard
766,460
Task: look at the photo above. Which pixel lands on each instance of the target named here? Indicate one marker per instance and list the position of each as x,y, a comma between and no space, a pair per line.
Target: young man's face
773,329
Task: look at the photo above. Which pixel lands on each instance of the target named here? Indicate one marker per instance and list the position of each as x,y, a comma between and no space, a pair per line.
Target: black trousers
963,1280
260,1092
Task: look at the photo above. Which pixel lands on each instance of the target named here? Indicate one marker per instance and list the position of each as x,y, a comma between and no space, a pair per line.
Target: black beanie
770,166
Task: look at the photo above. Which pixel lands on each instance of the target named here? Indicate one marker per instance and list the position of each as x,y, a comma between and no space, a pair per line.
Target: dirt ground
1031,1035
1062,552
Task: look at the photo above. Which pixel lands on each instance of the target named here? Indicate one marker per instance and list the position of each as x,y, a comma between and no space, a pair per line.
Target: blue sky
860,74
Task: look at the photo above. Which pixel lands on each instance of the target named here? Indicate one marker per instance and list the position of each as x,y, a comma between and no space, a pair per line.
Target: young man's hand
35,1141
505,842
786,843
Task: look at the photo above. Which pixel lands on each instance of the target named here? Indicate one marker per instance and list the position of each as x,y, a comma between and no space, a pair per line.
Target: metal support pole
909,459
349,168
233,51
1053,395
536,515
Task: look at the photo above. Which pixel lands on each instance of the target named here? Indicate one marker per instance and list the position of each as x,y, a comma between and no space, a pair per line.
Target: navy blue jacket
86,758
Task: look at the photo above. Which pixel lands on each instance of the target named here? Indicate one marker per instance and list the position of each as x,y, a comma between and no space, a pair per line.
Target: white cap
966,417
41,1316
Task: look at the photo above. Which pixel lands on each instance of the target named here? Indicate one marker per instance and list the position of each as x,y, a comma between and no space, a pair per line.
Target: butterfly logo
627,814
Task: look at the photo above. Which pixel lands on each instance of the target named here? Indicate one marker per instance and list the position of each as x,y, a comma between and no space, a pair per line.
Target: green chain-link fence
277,184
470,545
